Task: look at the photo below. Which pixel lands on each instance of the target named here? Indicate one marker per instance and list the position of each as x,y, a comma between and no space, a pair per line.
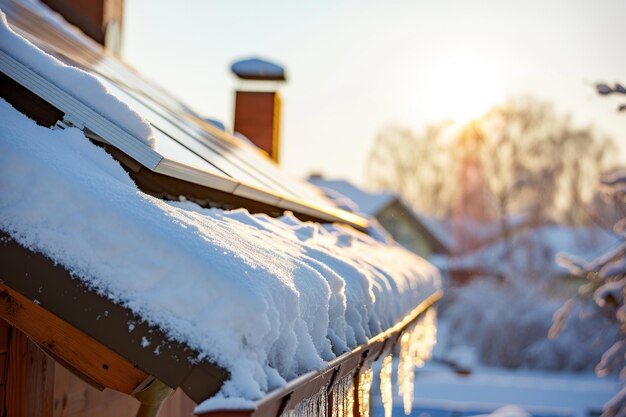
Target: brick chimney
257,106
101,20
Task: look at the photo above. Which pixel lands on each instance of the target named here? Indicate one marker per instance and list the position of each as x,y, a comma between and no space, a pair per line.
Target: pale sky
355,67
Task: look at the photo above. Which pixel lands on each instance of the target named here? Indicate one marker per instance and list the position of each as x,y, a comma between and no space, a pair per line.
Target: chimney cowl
258,69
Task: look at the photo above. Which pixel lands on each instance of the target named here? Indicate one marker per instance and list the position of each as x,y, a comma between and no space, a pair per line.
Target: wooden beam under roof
49,305
77,350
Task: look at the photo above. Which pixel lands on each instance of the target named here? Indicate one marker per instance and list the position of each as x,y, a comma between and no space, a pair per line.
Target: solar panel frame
77,113
100,64
213,158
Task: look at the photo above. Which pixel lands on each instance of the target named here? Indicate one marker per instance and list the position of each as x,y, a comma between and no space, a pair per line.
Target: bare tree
539,163
519,157
416,166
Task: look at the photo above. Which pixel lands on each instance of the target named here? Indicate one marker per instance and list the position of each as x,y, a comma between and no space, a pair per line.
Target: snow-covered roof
352,198
76,83
438,228
265,298
185,147
365,202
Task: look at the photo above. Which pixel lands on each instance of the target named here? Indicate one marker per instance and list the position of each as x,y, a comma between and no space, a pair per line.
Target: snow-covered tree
605,290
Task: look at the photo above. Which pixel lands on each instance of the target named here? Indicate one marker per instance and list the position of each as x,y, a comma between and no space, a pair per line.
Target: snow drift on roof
76,82
265,298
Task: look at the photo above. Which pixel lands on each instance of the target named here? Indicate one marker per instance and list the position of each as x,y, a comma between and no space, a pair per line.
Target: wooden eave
98,339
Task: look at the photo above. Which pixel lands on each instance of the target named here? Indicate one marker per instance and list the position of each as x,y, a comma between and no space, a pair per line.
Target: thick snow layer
76,82
265,298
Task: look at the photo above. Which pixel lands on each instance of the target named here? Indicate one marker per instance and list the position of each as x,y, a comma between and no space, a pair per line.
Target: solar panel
187,148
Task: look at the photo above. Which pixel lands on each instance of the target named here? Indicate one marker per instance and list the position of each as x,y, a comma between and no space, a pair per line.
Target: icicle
425,337
322,403
335,407
386,389
339,393
364,391
406,370
416,345
348,408
314,406
343,397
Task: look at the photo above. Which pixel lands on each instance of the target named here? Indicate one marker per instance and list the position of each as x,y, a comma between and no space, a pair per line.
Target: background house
417,232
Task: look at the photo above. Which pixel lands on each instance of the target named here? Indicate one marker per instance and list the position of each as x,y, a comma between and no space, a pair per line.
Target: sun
461,87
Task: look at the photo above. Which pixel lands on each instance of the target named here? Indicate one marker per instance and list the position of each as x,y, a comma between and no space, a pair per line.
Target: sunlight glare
461,87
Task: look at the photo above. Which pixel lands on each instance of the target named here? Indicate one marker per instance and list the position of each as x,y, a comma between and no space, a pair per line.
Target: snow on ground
266,298
439,392
76,82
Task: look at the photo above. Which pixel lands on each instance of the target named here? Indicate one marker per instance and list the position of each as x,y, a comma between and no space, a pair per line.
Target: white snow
265,298
349,197
76,82
256,67
145,342
489,389
536,250
353,198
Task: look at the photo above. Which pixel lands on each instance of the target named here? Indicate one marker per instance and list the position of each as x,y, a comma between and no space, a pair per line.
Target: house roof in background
367,202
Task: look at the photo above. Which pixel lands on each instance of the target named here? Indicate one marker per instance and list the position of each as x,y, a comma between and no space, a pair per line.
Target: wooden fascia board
89,358
52,289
